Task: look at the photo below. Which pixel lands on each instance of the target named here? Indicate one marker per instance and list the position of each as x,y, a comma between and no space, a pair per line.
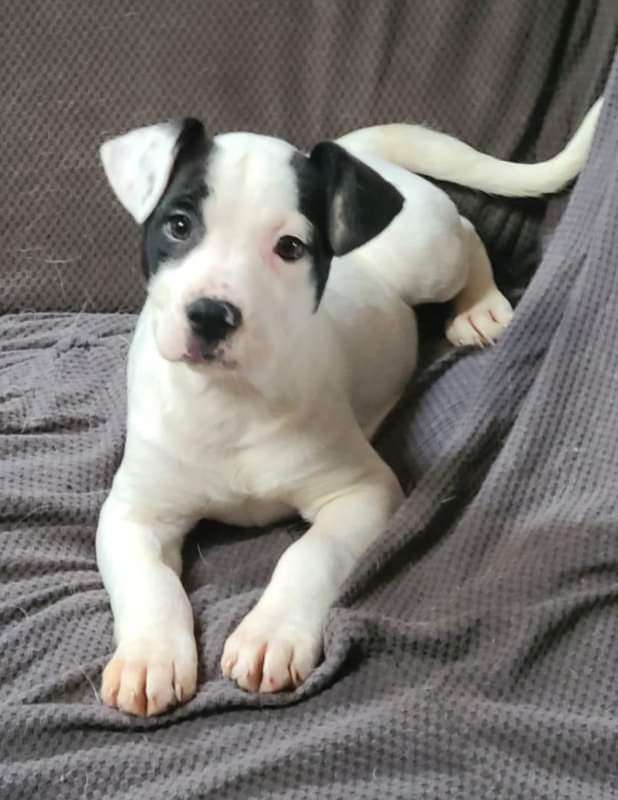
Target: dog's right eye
290,248
178,227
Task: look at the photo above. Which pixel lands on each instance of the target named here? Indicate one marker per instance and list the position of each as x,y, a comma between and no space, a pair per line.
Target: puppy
277,334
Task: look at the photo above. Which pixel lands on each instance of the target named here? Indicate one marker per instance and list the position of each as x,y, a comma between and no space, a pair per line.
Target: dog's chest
221,455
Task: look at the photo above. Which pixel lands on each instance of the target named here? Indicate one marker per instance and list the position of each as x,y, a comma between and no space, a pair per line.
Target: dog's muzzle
211,321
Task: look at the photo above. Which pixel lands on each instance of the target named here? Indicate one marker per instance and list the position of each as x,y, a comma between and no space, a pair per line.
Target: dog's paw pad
482,323
146,678
267,654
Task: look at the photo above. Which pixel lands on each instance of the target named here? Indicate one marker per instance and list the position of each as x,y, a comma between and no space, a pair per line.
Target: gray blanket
473,655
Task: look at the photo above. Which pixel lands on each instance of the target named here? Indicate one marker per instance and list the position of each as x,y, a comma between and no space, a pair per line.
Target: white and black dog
277,334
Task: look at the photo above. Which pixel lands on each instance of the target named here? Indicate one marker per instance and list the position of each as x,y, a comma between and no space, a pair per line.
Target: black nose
212,320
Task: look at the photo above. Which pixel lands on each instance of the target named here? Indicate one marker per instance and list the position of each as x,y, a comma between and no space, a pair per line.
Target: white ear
138,166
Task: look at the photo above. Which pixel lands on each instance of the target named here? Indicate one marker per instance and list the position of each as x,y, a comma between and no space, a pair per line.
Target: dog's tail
445,158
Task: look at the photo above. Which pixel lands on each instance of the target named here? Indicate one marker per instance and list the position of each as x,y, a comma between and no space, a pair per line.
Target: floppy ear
360,203
138,165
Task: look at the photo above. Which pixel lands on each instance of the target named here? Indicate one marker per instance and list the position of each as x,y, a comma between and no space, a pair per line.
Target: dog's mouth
200,353
177,344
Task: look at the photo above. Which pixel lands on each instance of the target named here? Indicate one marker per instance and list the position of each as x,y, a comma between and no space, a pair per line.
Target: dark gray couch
475,653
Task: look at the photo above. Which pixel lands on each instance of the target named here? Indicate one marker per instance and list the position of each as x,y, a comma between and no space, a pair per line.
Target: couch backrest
513,77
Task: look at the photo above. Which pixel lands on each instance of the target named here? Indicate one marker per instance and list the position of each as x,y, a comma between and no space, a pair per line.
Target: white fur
282,423
440,156
138,165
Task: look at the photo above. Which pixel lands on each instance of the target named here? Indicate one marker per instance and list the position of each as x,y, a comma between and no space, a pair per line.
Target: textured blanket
474,654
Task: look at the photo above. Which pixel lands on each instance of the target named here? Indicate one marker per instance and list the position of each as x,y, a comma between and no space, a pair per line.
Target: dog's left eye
289,248
178,227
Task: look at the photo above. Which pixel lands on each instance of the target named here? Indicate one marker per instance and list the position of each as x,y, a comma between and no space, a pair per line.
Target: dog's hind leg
482,312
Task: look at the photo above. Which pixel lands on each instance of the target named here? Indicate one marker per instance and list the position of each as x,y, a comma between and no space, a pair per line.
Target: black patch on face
312,205
183,195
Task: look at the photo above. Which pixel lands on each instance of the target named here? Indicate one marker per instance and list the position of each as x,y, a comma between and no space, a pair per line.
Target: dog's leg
155,662
482,312
279,642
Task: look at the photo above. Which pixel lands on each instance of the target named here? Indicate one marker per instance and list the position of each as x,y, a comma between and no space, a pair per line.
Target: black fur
312,205
364,201
185,192
333,179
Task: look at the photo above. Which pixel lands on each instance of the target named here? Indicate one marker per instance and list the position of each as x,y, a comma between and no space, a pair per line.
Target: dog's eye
289,248
178,226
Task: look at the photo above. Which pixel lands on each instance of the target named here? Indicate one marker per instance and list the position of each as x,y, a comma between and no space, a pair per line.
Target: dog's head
239,233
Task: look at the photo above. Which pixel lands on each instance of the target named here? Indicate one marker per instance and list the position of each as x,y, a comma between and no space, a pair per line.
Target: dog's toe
132,690
276,667
110,685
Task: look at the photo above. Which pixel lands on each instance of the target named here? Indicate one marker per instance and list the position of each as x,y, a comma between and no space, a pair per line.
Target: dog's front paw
270,652
150,675
481,323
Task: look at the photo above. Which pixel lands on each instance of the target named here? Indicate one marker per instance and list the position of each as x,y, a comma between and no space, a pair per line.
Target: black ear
360,203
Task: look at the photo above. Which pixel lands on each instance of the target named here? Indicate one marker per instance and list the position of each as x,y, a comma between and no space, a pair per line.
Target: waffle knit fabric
474,652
